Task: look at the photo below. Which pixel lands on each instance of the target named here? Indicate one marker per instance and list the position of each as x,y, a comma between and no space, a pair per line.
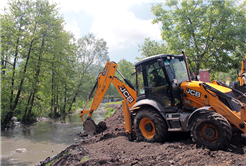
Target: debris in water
21,150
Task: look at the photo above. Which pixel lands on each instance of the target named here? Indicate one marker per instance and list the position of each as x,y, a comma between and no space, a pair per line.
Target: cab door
157,84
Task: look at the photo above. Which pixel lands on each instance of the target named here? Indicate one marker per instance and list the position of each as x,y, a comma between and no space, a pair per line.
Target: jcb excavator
167,100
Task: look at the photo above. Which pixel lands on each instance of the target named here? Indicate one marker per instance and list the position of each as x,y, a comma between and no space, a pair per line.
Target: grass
118,102
109,112
85,158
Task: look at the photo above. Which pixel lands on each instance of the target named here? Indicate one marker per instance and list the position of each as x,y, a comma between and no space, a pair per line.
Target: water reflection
41,140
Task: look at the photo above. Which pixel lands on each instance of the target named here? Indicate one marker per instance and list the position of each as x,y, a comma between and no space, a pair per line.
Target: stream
41,140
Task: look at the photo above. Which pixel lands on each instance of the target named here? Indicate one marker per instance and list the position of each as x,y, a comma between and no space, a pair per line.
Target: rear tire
150,126
211,130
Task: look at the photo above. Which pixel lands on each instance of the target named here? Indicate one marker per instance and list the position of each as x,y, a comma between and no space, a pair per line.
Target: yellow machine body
188,102
196,96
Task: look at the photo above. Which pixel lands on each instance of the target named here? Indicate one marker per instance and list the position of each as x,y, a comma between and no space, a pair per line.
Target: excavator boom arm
241,74
101,87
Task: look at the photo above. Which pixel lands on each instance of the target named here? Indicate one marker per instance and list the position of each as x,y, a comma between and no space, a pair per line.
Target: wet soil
112,147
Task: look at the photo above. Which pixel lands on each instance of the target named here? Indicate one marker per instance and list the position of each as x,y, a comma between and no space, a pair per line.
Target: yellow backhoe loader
167,100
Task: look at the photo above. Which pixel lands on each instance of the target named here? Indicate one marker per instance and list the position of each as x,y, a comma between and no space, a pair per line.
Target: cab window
140,81
157,84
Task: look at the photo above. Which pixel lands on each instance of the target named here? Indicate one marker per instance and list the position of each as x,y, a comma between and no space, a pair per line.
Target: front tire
150,126
211,130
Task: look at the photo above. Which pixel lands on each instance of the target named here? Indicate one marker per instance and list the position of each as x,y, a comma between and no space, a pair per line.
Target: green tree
6,63
150,48
221,76
126,68
91,55
35,50
207,31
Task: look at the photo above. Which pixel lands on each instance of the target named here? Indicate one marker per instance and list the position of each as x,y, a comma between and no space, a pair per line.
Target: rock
82,134
41,119
17,124
101,126
14,119
171,161
45,161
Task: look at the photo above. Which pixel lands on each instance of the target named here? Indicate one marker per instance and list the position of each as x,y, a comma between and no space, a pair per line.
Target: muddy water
41,140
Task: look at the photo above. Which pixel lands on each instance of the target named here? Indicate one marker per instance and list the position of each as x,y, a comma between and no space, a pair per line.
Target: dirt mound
112,147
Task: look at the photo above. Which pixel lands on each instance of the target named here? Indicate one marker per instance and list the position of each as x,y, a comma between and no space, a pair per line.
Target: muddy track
113,148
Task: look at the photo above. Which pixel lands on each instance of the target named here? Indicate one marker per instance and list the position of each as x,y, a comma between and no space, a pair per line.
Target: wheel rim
147,128
209,132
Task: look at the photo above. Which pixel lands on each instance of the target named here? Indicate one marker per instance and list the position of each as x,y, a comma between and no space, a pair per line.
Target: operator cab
159,78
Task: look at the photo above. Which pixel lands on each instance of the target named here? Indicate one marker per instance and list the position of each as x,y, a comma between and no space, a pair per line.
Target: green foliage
118,102
150,48
126,68
231,75
207,31
109,112
222,76
43,71
112,91
91,54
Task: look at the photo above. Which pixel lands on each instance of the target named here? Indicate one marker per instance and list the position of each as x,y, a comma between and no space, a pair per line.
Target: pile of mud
112,147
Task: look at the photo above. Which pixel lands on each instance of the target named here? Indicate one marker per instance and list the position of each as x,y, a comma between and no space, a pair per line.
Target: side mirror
237,71
160,63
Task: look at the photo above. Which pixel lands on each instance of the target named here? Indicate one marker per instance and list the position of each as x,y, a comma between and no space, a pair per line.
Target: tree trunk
23,78
52,93
30,109
65,99
74,99
9,116
80,84
7,119
36,82
13,75
24,117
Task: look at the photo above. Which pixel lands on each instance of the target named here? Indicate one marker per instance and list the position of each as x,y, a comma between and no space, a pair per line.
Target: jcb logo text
193,92
126,94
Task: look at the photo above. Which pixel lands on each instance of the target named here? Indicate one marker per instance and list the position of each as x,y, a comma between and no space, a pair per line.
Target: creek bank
15,123
112,147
